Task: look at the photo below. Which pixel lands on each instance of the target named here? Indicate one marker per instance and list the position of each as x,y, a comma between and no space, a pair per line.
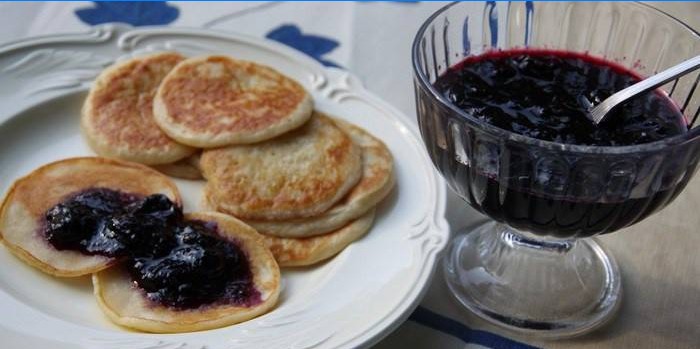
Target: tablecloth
658,257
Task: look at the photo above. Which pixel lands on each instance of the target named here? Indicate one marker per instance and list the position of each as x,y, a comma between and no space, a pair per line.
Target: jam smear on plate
546,94
178,263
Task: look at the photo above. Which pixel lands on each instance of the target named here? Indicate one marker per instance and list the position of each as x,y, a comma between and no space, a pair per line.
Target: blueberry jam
546,95
179,263
80,223
197,269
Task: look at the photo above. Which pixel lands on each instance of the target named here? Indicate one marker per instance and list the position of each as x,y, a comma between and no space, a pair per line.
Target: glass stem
516,238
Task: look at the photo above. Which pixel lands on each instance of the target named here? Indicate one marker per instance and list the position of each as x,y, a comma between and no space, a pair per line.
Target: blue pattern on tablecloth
136,13
444,324
313,45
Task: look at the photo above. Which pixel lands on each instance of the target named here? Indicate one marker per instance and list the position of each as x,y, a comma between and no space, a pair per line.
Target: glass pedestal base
533,285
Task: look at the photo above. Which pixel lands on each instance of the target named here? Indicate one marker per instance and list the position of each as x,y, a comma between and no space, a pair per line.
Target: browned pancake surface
376,183
216,100
118,112
291,252
299,174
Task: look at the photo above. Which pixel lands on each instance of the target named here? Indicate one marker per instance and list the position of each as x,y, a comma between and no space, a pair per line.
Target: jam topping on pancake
178,263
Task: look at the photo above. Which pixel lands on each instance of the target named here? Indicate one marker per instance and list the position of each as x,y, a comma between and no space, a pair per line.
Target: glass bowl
535,268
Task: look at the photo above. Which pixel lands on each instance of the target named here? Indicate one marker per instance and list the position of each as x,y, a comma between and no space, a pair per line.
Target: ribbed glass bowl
535,269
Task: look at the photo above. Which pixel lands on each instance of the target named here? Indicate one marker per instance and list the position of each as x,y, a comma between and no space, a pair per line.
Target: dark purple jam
547,94
80,223
564,217
178,263
199,268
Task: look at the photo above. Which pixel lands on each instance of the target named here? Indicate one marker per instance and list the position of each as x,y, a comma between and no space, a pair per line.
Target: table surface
658,257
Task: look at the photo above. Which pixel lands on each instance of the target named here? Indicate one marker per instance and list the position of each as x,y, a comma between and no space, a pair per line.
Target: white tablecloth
373,40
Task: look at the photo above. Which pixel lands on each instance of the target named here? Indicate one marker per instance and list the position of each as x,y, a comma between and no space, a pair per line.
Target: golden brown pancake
290,252
187,168
126,305
25,205
215,101
117,117
299,174
376,182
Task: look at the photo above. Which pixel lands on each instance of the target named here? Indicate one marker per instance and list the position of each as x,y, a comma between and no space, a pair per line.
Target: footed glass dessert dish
501,91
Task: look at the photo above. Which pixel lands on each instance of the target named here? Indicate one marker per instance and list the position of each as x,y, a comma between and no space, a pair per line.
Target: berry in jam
199,269
177,263
79,222
547,95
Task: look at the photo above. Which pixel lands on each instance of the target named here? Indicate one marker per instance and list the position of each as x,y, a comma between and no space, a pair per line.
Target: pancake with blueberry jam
49,218
203,271
174,273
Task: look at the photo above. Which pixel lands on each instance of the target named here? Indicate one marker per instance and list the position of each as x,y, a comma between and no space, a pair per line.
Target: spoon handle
599,112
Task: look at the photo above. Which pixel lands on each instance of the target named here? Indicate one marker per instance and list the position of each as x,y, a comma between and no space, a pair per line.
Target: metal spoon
598,113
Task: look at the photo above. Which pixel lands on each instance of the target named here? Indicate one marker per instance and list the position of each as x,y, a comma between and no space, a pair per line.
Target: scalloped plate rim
434,220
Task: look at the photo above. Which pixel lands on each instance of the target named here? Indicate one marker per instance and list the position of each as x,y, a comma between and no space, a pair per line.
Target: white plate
351,301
